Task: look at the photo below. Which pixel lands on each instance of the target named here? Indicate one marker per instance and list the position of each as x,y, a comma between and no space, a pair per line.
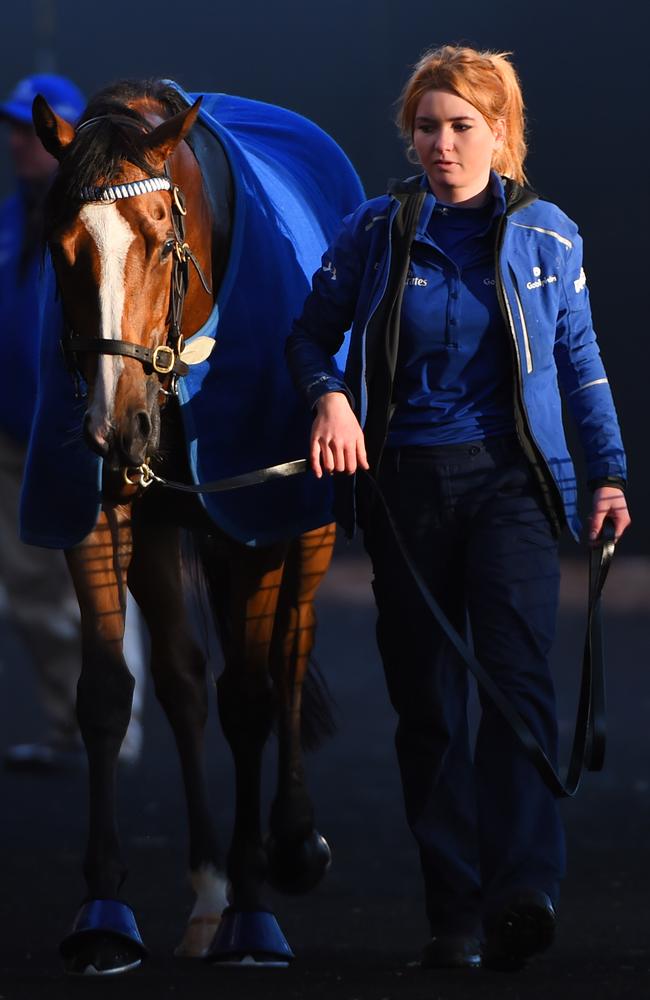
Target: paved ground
358,936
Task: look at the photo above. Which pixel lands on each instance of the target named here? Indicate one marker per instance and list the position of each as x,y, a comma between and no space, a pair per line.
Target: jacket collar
510,196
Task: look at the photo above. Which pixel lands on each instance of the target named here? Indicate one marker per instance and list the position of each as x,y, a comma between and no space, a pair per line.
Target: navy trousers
472,518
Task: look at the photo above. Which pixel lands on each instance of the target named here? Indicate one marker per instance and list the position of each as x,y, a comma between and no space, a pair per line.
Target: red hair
486,80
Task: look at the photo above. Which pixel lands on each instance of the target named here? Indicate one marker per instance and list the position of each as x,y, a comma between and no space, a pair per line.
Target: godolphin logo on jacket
540,281
581,281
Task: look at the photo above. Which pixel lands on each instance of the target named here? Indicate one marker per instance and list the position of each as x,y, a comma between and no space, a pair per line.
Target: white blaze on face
112,236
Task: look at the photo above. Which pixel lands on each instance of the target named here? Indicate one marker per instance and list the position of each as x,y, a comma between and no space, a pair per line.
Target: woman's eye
461,127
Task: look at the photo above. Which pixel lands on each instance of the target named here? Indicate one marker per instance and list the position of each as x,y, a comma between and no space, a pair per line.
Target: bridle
165,359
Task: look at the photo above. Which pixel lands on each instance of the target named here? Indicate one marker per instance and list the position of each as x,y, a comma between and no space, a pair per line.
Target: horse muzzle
128,444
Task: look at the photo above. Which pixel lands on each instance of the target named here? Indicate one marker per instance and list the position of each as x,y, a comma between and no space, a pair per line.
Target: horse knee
104,699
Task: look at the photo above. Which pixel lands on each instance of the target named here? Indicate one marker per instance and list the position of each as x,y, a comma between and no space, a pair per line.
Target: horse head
125,217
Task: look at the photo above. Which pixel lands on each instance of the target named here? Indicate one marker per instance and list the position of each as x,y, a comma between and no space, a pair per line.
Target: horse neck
184,172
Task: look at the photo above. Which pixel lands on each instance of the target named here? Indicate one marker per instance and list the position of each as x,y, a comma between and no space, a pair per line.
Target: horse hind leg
246,607
298,856
179,673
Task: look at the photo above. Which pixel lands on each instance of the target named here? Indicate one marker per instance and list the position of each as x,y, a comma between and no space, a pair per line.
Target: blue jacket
545,304
18,323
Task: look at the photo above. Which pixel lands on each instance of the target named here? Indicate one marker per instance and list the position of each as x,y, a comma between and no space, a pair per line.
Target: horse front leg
178,667
298,856
246,702
105,938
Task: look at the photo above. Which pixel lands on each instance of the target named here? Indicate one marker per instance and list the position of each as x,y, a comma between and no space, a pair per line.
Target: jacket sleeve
583,380
327,315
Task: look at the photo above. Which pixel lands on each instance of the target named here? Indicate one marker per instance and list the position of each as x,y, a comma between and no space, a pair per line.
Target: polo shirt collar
497,191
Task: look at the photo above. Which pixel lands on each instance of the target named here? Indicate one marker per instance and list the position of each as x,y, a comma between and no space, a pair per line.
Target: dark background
343,63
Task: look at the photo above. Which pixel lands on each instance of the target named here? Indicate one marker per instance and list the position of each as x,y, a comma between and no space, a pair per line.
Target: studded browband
113,192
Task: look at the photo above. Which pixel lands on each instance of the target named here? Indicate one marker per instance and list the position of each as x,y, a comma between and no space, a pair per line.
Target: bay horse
179,365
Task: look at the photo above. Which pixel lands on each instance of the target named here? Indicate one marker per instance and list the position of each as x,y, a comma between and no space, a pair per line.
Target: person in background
469,314
36,593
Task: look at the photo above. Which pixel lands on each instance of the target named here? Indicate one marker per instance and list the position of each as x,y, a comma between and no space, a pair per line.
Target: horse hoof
297,867
198,936
249,939
105,940
101,954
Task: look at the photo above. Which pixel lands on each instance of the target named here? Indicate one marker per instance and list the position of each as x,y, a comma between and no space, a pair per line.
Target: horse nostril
143,424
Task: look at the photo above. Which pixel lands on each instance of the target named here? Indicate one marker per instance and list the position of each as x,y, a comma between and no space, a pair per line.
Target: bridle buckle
163,359
182,251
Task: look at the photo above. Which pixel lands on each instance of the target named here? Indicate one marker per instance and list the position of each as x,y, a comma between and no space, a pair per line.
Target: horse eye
167,248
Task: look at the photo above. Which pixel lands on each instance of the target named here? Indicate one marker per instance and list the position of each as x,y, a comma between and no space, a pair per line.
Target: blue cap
60,93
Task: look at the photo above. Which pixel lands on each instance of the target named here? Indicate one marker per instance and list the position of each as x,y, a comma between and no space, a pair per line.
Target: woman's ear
499,132
412,156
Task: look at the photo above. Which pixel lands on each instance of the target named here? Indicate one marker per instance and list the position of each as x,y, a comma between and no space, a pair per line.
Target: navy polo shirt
454,369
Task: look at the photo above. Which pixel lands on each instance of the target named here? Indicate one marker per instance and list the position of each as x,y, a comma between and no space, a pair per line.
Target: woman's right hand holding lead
337,443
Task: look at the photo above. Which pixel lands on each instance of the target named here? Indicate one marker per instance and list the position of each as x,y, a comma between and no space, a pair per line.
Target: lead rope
589,741
588,748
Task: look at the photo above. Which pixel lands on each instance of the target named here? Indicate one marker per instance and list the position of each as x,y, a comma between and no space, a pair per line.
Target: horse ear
164,139
55,133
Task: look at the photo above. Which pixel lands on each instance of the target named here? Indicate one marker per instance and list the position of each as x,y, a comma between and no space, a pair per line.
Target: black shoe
522,926
452,951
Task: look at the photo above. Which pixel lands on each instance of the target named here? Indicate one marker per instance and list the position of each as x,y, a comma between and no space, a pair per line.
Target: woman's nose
444,139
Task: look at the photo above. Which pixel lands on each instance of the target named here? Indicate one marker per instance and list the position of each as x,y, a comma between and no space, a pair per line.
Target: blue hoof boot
104,941
249,939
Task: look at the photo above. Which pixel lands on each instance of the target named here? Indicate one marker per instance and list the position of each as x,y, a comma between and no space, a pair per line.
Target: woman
468,306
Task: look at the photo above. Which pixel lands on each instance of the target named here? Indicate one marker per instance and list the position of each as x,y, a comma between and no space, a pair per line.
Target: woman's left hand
609,502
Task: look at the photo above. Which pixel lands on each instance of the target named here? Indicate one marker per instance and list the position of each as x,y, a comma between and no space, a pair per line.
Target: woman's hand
609,502
337,443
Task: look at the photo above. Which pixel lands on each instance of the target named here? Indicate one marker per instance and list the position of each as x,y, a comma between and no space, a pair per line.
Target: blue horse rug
292,187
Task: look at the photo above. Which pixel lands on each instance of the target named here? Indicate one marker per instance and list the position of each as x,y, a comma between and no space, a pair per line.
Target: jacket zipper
529,446
377,303
524,328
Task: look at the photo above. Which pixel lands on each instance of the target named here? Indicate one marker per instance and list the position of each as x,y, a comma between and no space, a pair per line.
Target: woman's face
455,146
